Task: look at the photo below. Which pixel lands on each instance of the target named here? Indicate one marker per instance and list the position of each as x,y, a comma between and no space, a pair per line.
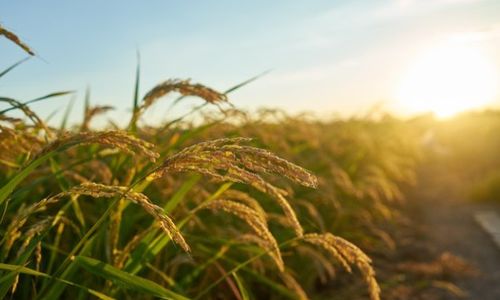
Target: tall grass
195,211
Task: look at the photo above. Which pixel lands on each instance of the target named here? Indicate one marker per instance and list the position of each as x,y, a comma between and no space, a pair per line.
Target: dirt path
449,225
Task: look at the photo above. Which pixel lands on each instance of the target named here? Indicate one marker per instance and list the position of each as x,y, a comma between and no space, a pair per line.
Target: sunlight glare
448,79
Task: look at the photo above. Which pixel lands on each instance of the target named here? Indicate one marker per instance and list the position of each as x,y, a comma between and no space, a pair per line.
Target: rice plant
185,210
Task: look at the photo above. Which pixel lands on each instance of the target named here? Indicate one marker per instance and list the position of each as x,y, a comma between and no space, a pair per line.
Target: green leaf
7,189
14,66
133,121
125,279
8,280
65,118
189,278
52,95
28,271
137,81
53,290
86,99
242,84
242,265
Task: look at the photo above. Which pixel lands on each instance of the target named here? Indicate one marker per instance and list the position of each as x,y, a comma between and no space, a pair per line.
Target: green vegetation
237,206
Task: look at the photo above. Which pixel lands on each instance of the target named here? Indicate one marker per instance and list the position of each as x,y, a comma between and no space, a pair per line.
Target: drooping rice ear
348,255
107,191
37,121
227,160
292,284
256,221
91,112
16,40
113,139
183,87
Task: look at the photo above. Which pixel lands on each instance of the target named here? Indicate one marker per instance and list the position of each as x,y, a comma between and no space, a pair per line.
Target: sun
448,79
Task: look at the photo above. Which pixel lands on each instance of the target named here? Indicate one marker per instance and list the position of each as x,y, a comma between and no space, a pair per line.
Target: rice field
233,206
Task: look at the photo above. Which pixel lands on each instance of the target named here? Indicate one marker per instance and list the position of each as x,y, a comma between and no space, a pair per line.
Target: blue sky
326,56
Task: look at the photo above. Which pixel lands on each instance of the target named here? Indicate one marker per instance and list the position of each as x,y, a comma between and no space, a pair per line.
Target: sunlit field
216,201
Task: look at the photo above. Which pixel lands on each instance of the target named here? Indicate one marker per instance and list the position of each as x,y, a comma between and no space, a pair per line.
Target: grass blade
7,189
137,81
4,72
125,279
64,122
57,288
28,271
51,95
135,108
242,84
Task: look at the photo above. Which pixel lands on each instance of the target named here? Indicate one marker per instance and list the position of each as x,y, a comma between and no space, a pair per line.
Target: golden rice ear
37,121
226,160
108,191
16,143
16,40
185,88
256,221
347,254
13,231
257,159
323,266
244,198
313,212
112,139
101,172
33,231
91,112
292,284
122,255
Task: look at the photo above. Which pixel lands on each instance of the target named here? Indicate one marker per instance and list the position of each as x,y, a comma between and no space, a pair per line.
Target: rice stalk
114,227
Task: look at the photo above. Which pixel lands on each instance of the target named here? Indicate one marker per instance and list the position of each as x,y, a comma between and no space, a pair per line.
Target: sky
327,57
